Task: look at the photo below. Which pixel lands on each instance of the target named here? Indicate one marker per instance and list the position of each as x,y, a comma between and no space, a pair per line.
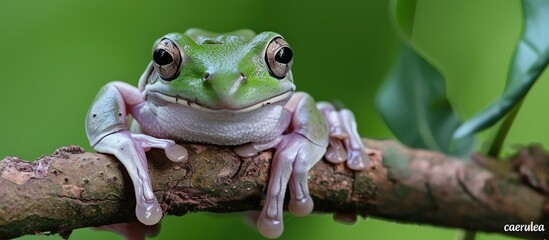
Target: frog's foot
130,149
132,231
345,143
252,149
294,157
345,218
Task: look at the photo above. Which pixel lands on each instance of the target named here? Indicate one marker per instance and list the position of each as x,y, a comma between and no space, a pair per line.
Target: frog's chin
195,105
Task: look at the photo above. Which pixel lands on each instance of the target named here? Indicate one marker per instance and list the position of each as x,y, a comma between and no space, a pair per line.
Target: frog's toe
148,212
357,159
301,207
177,153
333,119
336,152
246,150
269,227
252,149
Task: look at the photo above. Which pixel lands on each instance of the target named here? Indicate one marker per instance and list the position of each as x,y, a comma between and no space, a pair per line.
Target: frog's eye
279,57
167,59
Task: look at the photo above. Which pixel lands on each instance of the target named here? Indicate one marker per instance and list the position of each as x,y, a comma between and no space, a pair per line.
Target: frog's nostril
206,76
242,77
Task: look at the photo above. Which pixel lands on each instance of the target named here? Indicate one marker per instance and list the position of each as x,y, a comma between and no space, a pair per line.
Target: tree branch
73,189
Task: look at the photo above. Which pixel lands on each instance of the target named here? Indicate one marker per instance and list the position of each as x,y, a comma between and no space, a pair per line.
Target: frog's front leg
296,153
107,131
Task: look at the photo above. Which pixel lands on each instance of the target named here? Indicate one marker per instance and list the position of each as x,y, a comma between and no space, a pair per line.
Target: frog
231,89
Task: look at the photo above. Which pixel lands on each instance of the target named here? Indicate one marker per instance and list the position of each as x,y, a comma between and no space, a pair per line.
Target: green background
56,54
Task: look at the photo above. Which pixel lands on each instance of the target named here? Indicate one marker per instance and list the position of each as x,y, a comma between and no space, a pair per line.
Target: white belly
187,124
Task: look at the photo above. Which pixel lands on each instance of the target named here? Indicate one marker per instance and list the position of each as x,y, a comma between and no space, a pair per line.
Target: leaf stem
495,143
493,149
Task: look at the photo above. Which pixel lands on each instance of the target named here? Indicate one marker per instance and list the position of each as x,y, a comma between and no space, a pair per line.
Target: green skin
226,89
225,59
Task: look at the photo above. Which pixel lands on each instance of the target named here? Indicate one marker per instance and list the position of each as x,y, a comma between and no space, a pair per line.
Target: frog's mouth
196,105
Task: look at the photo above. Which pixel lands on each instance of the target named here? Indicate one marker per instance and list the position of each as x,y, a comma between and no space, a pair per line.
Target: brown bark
73,189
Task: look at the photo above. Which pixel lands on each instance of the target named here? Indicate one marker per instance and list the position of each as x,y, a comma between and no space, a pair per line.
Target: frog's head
237,71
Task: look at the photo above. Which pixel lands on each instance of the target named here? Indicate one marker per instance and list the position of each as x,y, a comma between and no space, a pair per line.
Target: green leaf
531,58
413,103
404,13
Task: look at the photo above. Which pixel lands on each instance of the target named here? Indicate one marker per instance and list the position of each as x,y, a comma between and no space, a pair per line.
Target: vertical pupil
162,57
284,55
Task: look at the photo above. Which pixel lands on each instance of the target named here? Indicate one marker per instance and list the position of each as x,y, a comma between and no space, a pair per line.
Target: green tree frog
233,89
